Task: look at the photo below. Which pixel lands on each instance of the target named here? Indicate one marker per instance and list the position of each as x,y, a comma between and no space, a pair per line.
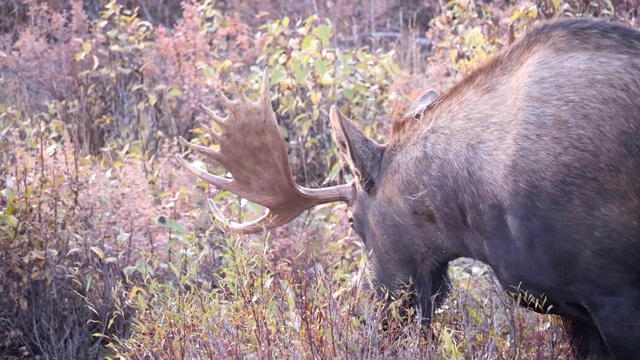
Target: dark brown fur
530,164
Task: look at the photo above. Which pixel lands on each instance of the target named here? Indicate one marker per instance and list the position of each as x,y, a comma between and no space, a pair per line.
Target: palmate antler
254,152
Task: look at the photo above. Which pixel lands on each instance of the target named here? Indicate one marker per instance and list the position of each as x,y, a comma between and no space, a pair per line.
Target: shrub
53,252
104,252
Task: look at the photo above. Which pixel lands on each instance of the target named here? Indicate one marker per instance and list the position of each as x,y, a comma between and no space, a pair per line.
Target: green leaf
80,55
335,169
175,226
321,66
305,126
10,220
174,92
174,270
299,73
128,270
323,32
348,93
309,22
283,131
9,194
307,42
277,75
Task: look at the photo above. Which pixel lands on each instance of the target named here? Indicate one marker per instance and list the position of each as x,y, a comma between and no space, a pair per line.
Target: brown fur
530,164
497,72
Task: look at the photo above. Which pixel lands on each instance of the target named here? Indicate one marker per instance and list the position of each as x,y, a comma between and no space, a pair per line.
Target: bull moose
531,164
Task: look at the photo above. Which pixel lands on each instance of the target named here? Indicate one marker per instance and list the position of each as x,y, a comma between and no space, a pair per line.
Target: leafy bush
78,195
106,252
262,305
312,75
52,244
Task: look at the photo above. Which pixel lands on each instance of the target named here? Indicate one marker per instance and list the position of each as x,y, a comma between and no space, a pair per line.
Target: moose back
531,164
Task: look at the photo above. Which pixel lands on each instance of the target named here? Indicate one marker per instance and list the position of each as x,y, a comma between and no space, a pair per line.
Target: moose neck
461,182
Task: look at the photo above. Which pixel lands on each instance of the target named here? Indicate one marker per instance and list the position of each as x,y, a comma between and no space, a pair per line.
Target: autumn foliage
107,248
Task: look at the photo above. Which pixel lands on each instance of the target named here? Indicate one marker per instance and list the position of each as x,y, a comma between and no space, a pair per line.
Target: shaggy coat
531,164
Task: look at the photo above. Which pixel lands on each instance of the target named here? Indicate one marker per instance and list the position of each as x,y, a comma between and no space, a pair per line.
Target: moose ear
423,101
363,155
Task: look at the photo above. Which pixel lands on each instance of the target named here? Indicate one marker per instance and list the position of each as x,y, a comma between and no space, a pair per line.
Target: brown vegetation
107,249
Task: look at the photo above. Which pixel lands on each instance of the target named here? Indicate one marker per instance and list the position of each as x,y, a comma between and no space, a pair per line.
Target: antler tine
217,181
227,102
253,151
218,119
265,92
214,154
215,135
266,221
240,95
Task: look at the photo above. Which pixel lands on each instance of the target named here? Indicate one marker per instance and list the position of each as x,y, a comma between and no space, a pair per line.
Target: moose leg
433,288
586,342
619,322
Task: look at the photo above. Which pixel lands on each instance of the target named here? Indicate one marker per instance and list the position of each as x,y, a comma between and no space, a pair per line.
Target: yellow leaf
286,84
98,251
326,79
134,291
453,55
86,47
316,97
174,92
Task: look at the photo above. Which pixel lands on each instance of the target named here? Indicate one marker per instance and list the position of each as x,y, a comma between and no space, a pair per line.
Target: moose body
531,164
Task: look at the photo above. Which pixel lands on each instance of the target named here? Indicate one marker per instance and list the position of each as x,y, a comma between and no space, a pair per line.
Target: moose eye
353,227
350,215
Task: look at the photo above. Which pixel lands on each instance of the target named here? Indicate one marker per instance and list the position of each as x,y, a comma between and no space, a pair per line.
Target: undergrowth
107,248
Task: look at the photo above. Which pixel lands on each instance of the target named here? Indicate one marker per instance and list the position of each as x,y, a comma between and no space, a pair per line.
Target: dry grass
107,248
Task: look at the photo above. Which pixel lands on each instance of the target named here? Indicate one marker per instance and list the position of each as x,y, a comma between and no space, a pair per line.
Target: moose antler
254,152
